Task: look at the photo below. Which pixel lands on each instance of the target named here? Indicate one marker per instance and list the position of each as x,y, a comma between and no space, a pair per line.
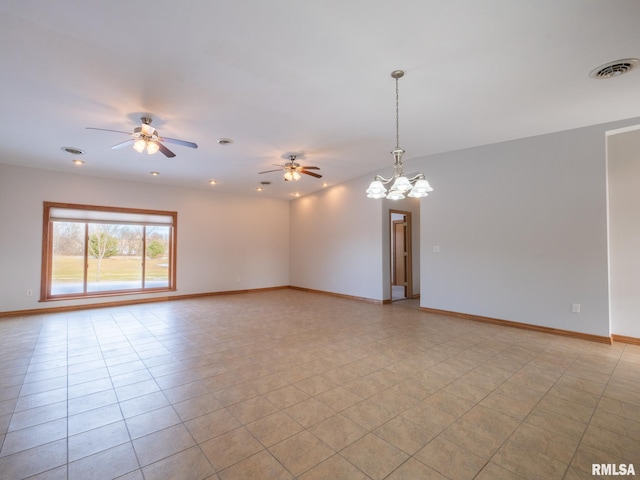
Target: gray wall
522,230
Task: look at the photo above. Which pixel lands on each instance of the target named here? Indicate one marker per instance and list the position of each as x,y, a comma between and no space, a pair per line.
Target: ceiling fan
292,170
147,137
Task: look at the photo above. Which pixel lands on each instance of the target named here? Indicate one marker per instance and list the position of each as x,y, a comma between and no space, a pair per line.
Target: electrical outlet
29,293
575,308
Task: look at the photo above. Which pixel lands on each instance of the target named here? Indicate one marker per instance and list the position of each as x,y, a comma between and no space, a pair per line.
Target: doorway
623,172
401,257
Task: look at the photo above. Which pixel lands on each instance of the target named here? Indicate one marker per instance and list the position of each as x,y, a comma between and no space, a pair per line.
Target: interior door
400,257
400,254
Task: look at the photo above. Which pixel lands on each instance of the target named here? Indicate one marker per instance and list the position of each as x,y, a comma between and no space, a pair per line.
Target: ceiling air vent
614,69
72,150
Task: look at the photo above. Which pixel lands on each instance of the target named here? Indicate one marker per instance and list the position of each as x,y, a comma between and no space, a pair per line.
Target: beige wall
225,242
336,241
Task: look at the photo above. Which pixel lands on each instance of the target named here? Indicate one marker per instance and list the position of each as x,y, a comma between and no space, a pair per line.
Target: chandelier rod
397,117
397,74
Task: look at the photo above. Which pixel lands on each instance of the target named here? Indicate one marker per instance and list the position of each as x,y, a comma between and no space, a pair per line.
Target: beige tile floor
289,384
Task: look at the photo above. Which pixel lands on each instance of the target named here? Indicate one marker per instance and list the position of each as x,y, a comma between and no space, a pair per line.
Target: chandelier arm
417,177
384,181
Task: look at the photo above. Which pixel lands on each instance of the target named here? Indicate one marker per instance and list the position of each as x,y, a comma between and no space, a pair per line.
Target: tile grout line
595,408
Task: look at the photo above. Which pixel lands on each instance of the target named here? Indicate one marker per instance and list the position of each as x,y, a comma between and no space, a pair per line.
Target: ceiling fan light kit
416,186
292,176
140,145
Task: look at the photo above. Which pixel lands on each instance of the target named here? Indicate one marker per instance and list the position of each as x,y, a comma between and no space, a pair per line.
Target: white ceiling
284,76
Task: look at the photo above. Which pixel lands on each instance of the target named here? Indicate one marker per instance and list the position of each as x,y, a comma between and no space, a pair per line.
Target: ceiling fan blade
311,168
311,173
126,143
108,130
167,153
184,143
269,171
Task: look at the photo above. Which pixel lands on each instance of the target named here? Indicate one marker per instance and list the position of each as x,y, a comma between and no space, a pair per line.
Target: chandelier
416,186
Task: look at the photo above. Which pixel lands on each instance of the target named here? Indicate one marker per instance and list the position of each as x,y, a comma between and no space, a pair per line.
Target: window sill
111,293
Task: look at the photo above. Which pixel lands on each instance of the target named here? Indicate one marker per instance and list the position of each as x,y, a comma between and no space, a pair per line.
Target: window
93,251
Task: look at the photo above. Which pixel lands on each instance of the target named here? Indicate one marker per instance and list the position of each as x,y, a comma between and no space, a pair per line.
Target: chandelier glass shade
415,187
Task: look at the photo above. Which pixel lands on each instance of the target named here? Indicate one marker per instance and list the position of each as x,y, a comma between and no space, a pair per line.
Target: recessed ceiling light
615,68
259,189
78,162
155,174
225,141
296,194
72,150
212,182
325,184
